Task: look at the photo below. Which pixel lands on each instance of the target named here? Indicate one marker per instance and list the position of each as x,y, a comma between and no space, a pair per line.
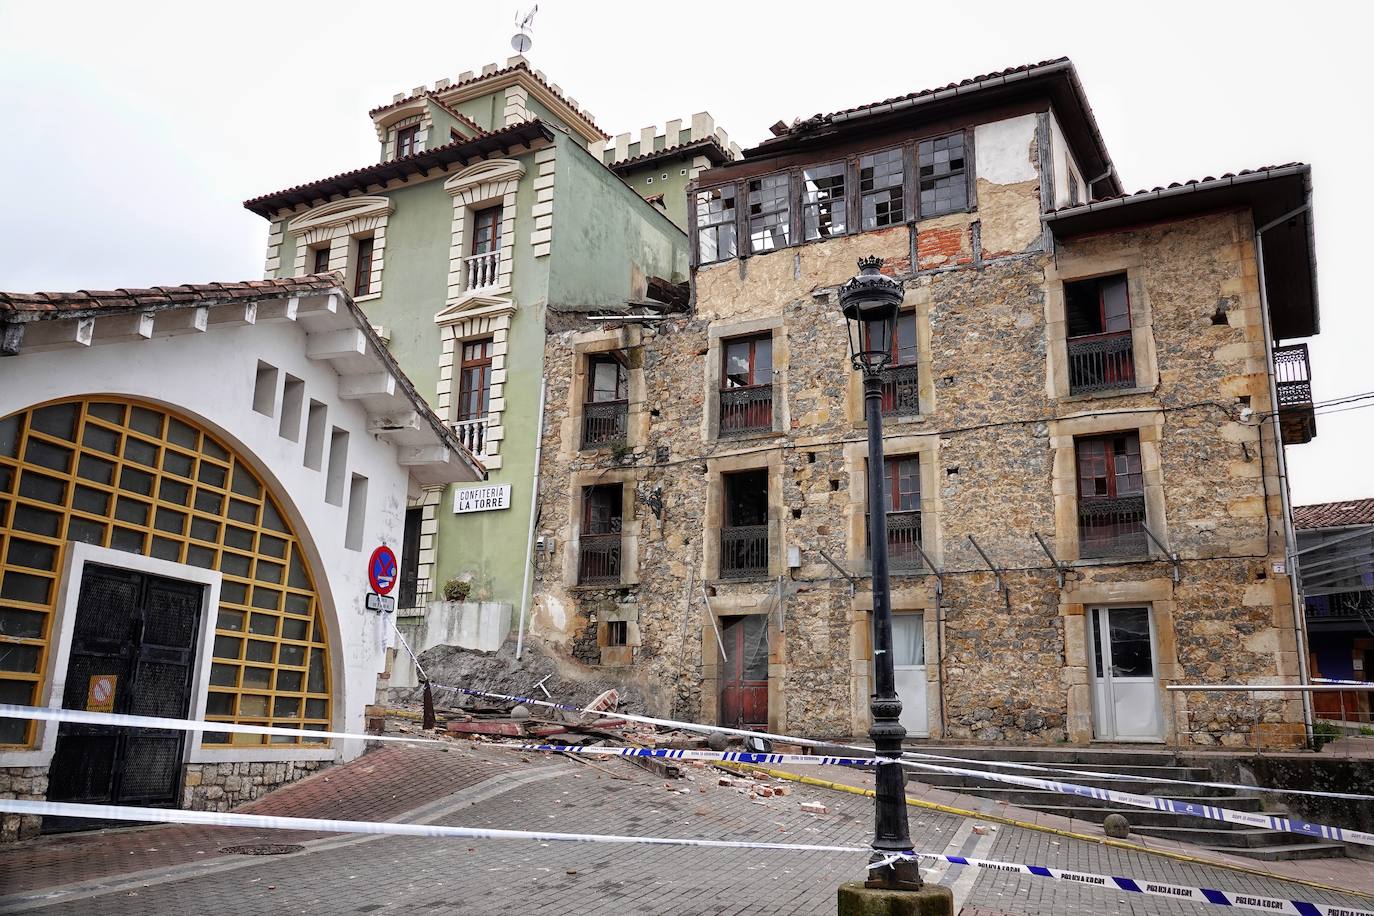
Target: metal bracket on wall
996,572
1173,557
839,569
1059,568
934,570
720,642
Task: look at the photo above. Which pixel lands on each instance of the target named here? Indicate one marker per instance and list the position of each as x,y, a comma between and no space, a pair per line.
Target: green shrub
456,589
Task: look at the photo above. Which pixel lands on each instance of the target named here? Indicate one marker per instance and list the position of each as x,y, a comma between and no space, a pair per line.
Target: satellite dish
520,42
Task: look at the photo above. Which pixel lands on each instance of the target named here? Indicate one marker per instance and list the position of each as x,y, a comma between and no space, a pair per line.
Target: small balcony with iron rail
1293,379
744,552
746,409
903,542
1112,526
1101,362
901,391
598,559
604,423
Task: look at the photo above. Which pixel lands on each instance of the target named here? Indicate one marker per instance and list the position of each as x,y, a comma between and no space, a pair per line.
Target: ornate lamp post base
932,900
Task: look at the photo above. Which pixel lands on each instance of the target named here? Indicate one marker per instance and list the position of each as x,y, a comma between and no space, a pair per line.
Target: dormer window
407,141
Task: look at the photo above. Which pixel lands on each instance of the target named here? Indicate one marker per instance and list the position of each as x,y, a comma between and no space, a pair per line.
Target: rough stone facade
225,786
995,443
30,784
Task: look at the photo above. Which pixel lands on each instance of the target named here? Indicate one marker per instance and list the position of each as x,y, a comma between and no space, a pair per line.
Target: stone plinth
931,900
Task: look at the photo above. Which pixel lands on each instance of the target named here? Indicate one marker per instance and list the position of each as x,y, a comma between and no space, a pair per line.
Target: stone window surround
621,656
716,469
1066,268
428,504
734,605
918,301
474,318
489,183
339,224
1158,596
586,344
629,528
1149,425
718,334
925,448
861,654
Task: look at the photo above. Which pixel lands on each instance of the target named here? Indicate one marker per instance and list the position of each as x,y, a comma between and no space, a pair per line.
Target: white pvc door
1125,685
909,666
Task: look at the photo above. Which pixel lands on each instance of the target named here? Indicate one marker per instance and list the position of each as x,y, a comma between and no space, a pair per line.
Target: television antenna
521,40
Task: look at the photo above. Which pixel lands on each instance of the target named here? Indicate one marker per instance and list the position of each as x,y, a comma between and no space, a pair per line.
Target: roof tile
1334,515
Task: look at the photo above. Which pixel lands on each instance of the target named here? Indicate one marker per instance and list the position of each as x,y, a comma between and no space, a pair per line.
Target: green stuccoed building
496,200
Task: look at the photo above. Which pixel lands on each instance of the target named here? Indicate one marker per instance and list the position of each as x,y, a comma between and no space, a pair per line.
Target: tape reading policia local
909,756
48,714
1153,803
320,825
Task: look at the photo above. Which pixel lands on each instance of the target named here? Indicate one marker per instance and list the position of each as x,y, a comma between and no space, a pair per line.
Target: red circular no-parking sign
381,570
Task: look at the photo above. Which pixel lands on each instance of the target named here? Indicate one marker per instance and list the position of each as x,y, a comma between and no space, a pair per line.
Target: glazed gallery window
746,381
716,231
474,380
880,189
1111,496
943,182
407,141
770,217
824,200
362,274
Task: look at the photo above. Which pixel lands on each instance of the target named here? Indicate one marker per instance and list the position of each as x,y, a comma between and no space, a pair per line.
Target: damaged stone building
1084,427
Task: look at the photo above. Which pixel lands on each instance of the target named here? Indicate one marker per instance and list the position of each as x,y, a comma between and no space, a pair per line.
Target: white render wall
209,377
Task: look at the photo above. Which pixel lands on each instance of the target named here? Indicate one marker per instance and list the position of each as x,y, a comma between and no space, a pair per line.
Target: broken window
606,409
744,537
824,200
1111,496
746,383
1100,343
599,541
943,178
770,215
880,189
1073,184
716,232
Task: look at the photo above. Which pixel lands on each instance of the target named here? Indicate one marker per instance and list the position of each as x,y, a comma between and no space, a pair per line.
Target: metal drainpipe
534,515
1299,625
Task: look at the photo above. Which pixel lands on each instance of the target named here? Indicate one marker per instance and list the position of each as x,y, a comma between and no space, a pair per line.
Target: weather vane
521,40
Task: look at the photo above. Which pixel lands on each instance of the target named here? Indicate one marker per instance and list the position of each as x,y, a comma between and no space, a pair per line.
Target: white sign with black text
481,499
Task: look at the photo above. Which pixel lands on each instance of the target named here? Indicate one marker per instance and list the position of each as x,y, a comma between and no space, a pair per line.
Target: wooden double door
744,671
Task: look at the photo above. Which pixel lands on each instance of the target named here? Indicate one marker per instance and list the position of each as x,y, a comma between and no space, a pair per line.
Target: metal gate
744,674
133,648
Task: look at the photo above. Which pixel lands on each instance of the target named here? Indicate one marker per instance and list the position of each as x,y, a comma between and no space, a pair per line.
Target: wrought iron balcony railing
746,410
903,541
743,551
901,391
1101,362
604,422
598,559
1112,526
1293,381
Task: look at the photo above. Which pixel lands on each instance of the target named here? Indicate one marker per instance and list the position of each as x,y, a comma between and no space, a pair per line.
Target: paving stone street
156,870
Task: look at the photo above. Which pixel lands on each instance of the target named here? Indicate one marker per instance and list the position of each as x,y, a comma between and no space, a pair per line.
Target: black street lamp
870,302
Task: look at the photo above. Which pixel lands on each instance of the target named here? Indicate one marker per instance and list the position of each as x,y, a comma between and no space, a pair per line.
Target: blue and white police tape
322,825
81,716
666,753
1336,680
907,755
1153,888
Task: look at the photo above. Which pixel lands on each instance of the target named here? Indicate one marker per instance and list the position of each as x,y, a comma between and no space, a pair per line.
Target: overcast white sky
135,130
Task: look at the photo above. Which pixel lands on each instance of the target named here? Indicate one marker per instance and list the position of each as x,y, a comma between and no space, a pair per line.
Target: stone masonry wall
31,784
225,786
991,437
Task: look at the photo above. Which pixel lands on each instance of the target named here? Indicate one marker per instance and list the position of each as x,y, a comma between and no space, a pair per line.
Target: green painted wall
443,123
603,234
487,110
534,107
673,189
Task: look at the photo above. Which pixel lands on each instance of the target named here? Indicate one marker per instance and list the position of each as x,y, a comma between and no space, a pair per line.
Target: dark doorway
133,649
744,672
410,561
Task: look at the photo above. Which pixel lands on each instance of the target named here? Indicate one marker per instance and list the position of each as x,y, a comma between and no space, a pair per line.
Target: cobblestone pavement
344,875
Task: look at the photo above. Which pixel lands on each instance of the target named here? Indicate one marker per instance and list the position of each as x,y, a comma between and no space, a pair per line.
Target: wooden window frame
320,253
481,365
407,139
964,173
1109,457
362,270
479,224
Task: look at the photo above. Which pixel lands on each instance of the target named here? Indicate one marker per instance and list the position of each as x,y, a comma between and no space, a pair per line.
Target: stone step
1138,817
1136,787
1219,836
1042,800
1285,853
1144,772
1089,757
